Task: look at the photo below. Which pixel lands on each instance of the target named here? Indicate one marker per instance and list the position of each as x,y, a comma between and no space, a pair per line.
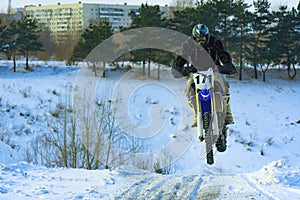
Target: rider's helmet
201,34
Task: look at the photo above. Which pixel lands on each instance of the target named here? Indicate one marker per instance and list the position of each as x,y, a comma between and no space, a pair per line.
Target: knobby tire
208,138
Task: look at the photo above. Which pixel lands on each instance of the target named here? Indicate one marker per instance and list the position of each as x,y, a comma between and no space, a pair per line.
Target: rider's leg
191,96
229,118
193,105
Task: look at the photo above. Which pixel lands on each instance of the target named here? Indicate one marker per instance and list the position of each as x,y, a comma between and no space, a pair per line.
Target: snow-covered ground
261,160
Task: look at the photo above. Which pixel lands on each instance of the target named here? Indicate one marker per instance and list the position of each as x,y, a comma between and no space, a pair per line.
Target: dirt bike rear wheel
221,142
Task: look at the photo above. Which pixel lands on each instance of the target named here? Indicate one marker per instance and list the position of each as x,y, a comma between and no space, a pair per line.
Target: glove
187,70
228,69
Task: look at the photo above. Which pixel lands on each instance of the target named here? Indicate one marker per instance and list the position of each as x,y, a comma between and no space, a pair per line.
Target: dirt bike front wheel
208,138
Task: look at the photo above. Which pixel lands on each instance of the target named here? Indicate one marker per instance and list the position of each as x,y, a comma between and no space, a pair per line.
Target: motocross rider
214,47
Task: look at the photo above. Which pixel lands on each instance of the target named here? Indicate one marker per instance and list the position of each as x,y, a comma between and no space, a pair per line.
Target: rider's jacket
197,56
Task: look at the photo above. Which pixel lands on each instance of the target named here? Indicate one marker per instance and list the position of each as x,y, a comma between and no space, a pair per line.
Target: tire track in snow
170,188
249,182
196,189
183,190
157,187
191,187
153,191
135,189
173,193
230,186
177,187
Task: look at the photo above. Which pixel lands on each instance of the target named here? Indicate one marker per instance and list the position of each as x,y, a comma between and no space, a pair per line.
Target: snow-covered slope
27,181
261,161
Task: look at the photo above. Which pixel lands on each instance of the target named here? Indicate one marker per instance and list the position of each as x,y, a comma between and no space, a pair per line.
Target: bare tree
292,71
181,4
64,49
48,43
264,69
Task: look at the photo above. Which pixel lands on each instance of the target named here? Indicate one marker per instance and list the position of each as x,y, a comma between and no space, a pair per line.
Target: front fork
204,108
199,117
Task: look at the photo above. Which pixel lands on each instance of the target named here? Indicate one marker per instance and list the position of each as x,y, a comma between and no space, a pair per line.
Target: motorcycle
211,104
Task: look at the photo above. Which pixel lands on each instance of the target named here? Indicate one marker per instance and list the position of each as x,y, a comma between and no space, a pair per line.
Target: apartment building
72,19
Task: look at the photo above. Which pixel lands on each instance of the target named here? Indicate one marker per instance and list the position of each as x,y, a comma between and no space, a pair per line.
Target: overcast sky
22,3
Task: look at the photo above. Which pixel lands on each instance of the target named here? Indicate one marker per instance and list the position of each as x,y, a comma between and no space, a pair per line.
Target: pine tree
225,11
11,42
2,31
28,37
148,16
90,38
184,20
285,37
240,29
209,15
260,35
